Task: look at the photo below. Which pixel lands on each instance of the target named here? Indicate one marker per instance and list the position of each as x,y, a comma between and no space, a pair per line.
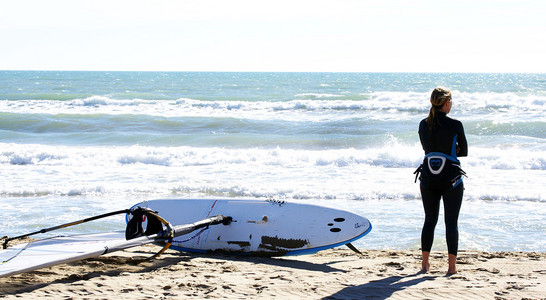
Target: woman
443,140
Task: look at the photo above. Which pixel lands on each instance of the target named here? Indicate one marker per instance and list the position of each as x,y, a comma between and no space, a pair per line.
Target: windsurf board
261,227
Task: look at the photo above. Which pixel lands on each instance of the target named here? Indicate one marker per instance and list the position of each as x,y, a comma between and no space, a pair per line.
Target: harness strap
417,172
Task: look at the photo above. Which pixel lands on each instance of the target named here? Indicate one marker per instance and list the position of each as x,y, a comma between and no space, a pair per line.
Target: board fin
350,246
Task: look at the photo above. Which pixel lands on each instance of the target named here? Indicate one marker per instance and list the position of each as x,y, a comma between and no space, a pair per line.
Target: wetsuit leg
431,204
452,206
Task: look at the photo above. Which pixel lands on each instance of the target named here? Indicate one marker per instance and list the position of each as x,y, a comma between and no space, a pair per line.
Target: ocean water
77,144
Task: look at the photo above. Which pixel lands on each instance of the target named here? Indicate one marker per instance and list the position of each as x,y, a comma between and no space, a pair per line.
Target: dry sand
330,274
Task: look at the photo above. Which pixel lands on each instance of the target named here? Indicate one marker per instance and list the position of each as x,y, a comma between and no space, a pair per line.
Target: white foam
383,172
499,107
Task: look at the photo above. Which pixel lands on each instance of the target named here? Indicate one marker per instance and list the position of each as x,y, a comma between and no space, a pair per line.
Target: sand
330,274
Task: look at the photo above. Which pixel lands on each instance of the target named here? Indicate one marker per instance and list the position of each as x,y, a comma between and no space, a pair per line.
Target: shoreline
331,274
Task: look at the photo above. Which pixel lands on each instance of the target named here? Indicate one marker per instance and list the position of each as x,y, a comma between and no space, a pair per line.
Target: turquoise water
75,144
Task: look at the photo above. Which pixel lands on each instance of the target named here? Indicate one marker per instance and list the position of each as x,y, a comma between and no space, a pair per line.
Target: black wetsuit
447,137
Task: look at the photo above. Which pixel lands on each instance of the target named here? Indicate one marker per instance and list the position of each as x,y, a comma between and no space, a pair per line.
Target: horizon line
222,71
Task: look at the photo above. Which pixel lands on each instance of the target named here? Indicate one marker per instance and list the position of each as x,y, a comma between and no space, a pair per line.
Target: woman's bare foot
425,265
452,260
425,268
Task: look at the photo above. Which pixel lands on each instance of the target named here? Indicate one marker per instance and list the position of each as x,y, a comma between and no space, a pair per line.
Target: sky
270,36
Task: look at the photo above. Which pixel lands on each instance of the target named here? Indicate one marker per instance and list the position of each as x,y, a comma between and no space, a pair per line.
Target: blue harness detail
441,171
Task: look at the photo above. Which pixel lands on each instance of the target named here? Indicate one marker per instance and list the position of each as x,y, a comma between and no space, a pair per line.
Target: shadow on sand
379,289
283,262
116,265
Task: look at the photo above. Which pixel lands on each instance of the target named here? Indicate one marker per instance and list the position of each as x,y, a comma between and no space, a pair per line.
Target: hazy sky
280,35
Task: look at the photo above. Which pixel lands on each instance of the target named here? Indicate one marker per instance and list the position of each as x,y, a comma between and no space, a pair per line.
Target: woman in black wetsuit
444,136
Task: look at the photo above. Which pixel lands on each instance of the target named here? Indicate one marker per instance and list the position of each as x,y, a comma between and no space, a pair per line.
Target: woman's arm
462,146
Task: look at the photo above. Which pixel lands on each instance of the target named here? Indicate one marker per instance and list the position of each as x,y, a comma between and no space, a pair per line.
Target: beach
331,274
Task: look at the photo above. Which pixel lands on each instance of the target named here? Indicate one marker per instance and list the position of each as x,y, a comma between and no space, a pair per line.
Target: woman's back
447,136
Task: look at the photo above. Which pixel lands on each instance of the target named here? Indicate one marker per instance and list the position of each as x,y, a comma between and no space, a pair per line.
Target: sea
78,144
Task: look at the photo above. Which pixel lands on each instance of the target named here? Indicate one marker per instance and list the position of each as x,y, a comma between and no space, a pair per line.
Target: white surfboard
265,227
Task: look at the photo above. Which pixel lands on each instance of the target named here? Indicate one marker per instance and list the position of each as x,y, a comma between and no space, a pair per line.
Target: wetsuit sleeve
461,140
424,137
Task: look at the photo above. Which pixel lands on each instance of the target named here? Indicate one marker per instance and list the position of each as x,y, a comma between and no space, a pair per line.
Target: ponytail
438,98
431,118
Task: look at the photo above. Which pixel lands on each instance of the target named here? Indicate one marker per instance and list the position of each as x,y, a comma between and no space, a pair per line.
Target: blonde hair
438,98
